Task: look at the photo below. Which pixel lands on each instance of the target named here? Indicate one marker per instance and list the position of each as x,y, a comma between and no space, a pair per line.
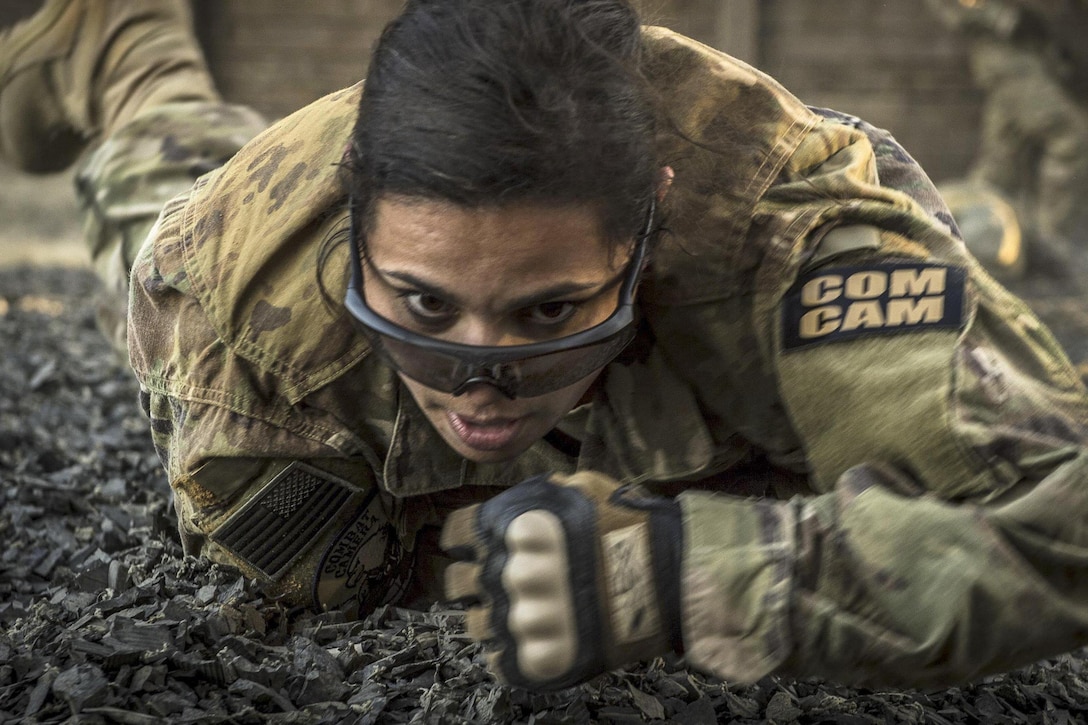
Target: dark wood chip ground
103,620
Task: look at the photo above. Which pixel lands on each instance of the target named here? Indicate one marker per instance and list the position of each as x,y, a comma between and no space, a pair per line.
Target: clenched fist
567,576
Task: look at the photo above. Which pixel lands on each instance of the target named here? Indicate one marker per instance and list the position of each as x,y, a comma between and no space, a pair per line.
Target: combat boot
989,226
80,68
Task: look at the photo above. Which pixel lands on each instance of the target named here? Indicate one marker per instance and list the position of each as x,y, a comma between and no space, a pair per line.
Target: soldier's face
504,275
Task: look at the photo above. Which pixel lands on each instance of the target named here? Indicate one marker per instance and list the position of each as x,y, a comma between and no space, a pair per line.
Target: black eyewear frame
517,370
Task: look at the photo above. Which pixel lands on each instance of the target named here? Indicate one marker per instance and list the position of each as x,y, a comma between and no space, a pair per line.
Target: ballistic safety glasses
519,371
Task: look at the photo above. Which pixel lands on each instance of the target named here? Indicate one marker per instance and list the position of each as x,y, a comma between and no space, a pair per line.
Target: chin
507,453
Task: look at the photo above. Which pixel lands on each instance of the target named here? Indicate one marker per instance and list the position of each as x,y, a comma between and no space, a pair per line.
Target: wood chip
104,619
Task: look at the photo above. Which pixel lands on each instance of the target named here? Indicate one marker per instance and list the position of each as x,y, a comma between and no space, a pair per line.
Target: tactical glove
566,577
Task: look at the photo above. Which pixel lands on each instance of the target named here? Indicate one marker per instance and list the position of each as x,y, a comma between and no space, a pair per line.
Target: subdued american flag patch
284,518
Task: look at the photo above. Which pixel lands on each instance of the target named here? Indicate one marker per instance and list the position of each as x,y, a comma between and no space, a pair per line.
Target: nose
482,394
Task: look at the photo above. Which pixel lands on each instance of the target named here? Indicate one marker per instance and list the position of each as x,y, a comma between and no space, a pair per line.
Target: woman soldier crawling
677,362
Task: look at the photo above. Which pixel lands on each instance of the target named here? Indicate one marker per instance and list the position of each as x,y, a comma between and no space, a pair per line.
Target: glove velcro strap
665,540
668,536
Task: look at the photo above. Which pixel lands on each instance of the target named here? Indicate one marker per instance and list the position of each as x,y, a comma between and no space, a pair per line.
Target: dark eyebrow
558,291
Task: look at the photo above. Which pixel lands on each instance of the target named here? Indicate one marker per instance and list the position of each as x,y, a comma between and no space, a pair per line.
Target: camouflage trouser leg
1034,149
124,183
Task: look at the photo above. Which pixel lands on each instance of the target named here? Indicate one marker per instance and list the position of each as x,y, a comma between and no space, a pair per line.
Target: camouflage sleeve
897,169
265,493
945,435
316,531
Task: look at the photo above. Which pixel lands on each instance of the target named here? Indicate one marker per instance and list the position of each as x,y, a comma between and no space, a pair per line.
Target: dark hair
485,102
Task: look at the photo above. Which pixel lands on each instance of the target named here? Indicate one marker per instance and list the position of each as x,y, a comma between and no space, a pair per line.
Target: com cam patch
845,303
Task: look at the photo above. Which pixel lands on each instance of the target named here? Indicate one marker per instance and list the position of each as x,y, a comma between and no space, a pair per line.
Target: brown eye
427,306
552,313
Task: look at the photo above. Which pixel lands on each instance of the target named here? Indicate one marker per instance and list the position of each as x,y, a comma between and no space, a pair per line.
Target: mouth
482,434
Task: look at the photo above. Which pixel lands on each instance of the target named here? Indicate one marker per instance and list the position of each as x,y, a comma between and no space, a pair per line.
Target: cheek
561,402
426,398
547,408
602,308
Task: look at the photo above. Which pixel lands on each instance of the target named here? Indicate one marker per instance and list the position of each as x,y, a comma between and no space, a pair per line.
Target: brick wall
12,11
888,61
278,55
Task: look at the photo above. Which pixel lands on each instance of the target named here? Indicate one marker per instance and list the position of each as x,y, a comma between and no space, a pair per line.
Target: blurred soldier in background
1023,206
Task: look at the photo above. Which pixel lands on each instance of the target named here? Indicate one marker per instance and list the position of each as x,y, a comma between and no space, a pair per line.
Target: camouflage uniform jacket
913,436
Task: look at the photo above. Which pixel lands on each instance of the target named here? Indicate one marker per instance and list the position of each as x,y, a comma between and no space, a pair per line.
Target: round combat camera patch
364,566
